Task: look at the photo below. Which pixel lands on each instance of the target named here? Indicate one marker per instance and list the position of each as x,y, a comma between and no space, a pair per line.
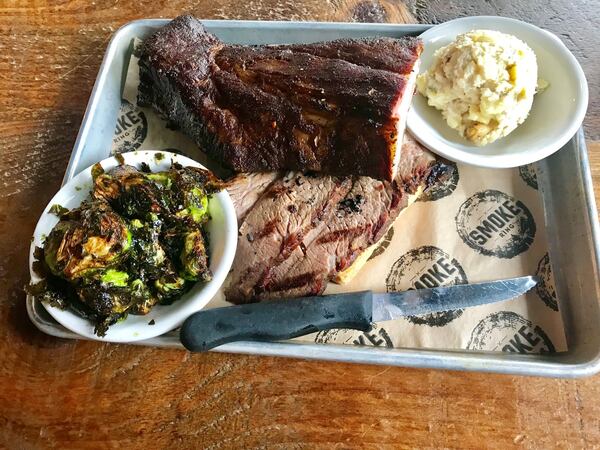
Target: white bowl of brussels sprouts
133,245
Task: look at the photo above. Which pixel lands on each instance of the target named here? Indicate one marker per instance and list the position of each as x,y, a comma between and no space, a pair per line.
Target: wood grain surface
66,394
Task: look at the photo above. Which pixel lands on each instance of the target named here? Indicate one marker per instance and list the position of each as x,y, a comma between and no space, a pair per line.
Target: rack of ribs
337,107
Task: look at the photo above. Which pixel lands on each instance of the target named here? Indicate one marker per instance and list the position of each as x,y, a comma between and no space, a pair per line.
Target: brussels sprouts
111,297
196,206
113,277
53,294
161,178
106,292
99,239
138,242
129,192
147,254
105,300
107,303
191,188
194,260
169,287
145,298
58,244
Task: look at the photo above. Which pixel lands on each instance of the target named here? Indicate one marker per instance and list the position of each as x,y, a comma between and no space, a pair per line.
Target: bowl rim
179,310
435,144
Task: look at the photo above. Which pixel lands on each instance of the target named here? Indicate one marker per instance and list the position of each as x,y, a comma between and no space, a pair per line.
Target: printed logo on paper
509,332
545,287
375,337
495,224
528,175
385,243
426,267
444,187
131,129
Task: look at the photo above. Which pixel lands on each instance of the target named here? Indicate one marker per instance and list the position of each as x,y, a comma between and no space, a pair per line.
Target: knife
275,320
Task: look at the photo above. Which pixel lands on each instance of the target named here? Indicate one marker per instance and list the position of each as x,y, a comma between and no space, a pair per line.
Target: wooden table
66,394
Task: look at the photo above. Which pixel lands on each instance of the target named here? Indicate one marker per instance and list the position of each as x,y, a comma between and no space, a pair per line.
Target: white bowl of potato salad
496,92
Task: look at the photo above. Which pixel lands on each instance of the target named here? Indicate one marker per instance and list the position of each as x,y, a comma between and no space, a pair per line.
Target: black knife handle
276,320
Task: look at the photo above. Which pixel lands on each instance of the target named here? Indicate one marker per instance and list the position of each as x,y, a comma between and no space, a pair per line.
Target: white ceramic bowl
222,232
556,115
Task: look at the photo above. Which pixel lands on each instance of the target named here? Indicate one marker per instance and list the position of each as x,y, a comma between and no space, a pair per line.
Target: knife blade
285,319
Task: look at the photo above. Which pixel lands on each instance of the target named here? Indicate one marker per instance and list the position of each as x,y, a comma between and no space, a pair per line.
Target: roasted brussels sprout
191,188
113,277
98,239
108,305
109,295
138,242
170,286
148,255
112,296
146,299
129,192
194,260
195,206
164,179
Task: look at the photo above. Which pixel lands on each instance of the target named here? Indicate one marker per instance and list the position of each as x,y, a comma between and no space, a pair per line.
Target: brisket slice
357,222
346,228
245,189
278,223
335,107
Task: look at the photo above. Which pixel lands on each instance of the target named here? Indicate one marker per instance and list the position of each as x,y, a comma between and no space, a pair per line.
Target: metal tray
564,180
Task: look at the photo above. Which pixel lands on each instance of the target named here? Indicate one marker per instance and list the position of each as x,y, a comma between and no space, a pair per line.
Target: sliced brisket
278,223
347,226
357,222
246,188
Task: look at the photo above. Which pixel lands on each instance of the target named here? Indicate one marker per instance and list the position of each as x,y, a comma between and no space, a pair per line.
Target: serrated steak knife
285,319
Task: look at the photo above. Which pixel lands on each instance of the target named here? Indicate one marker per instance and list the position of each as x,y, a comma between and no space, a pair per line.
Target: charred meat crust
326,107
399,57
